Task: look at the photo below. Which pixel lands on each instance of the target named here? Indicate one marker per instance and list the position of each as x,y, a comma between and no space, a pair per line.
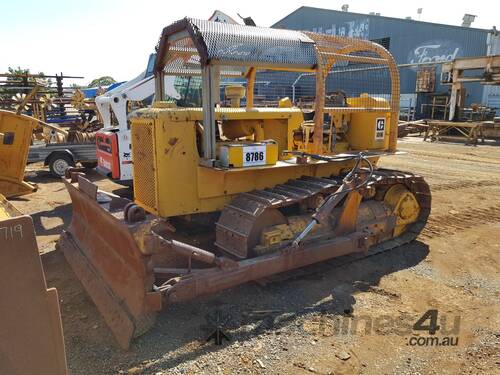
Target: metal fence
350,80
52,95
353,80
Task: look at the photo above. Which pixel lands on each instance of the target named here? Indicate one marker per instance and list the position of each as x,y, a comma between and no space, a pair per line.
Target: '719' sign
11,233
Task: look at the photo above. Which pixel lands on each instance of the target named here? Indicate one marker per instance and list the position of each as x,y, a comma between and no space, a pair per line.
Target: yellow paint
404,205
168,177
361,133
276,234
234,93
7,210
232,154
285,103
16,131
282,232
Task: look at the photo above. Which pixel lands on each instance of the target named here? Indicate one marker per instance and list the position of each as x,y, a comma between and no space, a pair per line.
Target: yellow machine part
369,130
285,103
7,210
234,93
404,206
15,138
246,154
278,233
166,160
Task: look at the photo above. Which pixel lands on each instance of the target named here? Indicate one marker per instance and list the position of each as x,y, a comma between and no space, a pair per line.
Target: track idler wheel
404,206
133,213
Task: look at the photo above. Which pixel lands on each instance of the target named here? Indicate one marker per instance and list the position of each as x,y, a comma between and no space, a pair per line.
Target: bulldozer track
381,179
454,222
463,185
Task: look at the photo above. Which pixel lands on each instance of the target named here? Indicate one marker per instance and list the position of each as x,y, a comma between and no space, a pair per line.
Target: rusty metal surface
241,219
186,250
119,274
87,187
31,335
426,79
216,279
236,230
104,254
347,221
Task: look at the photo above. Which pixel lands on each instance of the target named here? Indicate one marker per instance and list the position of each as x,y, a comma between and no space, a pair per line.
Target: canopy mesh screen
288,63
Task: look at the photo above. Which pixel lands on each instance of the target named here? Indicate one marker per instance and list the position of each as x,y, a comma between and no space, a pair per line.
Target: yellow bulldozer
229,193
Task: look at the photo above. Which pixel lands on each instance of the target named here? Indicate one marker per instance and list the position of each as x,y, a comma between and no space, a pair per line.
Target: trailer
60,156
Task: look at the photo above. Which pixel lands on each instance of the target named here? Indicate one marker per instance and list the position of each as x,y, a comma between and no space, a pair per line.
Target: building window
384,42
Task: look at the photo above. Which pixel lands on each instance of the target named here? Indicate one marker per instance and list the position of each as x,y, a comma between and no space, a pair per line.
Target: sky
95,38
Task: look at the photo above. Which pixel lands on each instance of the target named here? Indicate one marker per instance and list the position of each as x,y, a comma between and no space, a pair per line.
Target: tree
20,82
29,81
102,81
7,89
18,70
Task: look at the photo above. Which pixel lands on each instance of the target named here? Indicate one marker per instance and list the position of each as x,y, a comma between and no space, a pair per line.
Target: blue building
409,41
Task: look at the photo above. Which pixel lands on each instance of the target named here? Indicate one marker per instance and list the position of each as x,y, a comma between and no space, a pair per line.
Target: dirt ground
356,318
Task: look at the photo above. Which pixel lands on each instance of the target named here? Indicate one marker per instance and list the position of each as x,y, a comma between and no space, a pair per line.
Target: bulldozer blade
13,189
103,253
7,210
15,138
31,331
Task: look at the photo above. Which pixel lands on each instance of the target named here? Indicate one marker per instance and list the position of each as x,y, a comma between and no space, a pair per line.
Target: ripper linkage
347,186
